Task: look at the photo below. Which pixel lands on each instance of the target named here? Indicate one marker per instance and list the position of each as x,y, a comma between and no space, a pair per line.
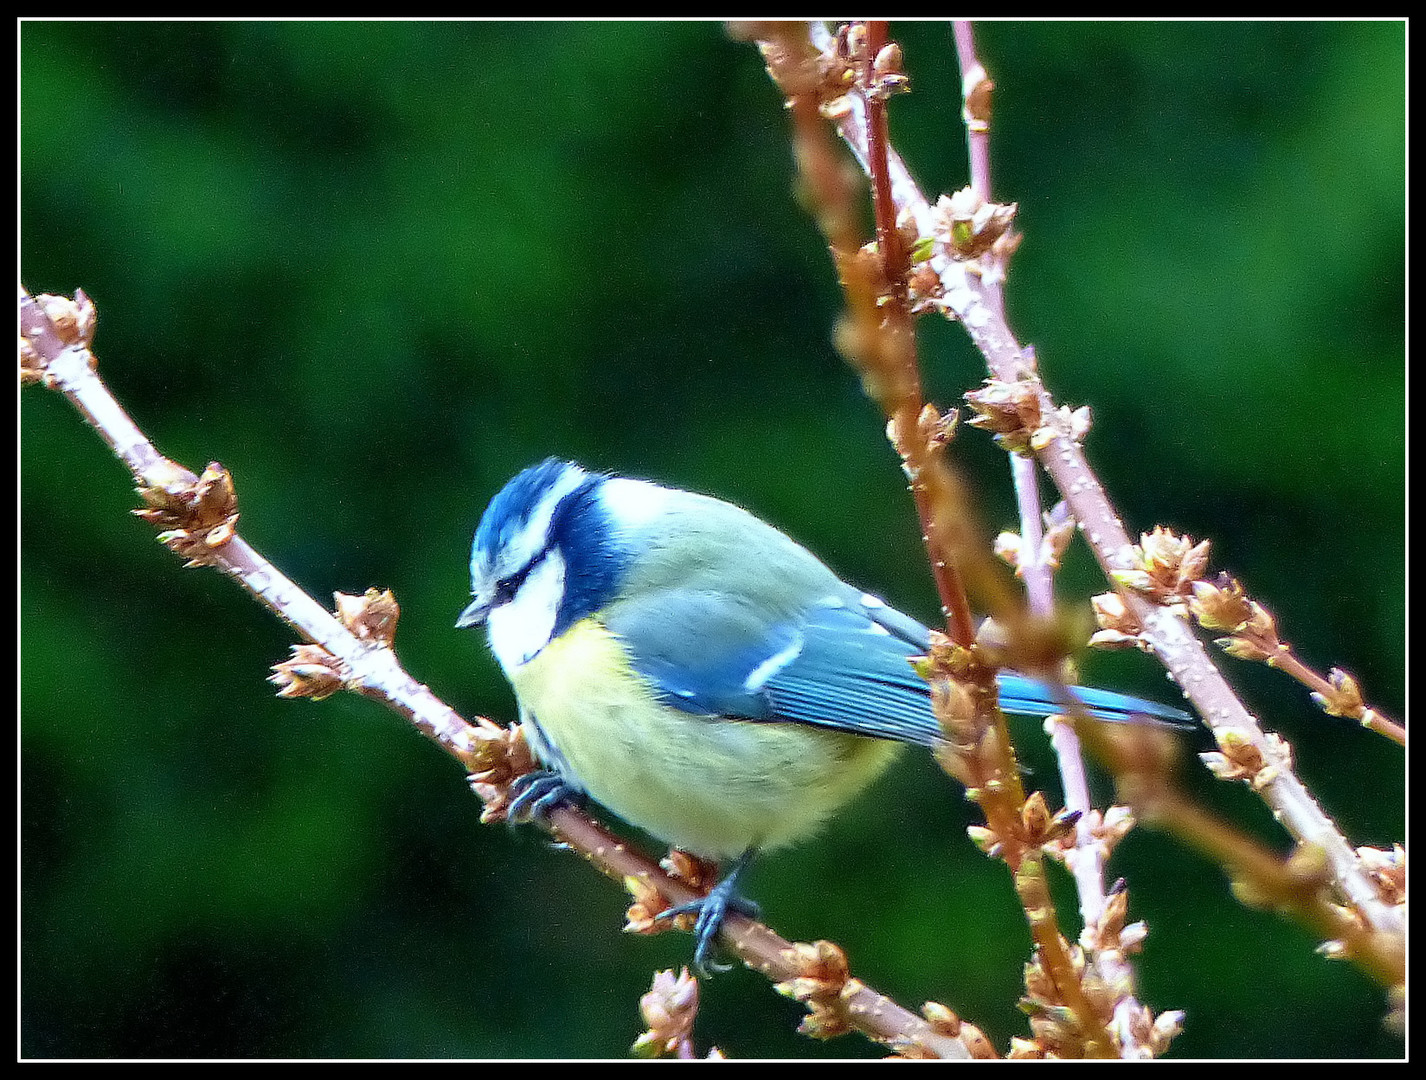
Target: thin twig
1056,442
1087,858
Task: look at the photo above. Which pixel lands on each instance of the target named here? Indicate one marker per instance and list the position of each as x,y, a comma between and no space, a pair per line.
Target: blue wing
843,664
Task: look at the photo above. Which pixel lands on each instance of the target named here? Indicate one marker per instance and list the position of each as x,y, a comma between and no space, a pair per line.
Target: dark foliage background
374,269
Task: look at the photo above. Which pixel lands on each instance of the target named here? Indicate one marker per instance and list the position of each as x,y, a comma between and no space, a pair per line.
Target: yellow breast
712,786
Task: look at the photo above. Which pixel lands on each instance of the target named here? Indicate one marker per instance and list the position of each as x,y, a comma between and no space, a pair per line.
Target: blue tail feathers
1029,697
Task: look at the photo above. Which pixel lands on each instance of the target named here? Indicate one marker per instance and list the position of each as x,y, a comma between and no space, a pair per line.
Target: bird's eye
509,586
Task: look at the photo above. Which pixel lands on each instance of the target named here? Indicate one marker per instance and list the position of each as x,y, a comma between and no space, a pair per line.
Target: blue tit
690,668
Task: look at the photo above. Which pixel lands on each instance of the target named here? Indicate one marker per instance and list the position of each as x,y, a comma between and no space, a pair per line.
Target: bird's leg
711,911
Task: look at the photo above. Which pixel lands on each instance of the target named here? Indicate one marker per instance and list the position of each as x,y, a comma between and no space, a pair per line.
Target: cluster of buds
969,226
1038,829
933,430
646,914
1221,604
847,68
1165,567
798,69
1096,835
311,672
1153,1034
1239,757
197,515
370,617
72,322
643,915
881,75
1013,413
944,1021
824,985
925,291
1118,628
961,685
669,1009
1112,931
1058,1031
1388,870
498,758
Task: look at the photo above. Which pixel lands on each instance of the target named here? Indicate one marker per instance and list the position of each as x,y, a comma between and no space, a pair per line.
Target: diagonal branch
352,650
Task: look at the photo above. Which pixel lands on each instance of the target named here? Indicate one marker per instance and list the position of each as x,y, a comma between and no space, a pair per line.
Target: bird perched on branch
689,667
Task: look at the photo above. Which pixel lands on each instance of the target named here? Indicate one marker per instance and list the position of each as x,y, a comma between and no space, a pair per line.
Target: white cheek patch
521,628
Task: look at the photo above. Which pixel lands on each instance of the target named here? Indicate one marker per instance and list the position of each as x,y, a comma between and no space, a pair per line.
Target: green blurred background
376,269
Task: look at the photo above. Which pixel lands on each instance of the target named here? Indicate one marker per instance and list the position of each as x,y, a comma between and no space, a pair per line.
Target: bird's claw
535,795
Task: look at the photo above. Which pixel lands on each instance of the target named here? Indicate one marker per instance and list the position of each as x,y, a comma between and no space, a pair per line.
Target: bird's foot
722,900
534,795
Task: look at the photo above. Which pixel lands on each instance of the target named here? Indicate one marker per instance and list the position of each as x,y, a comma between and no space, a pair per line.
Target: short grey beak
474,614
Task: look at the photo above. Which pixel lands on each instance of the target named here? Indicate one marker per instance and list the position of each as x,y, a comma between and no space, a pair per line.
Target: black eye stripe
507,587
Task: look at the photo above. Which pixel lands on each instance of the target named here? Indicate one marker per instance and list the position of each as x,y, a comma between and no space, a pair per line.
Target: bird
694,670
